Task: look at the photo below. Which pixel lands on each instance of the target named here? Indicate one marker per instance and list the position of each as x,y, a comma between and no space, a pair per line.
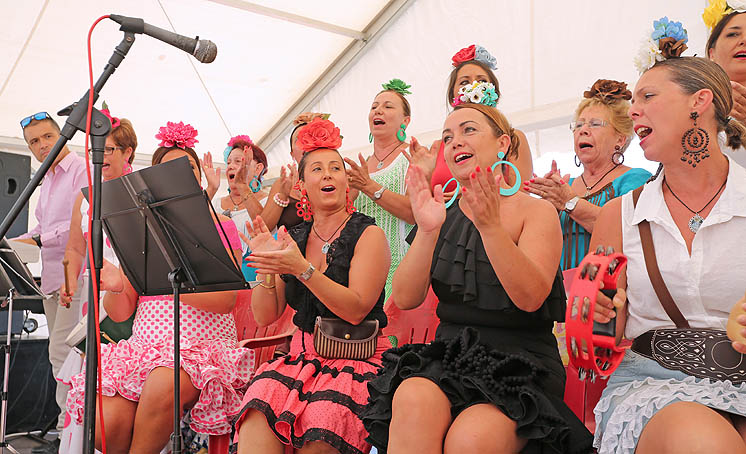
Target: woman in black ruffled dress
492,381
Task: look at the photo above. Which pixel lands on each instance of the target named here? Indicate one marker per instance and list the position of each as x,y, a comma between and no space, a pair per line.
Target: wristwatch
306,275
377,195
37,239
570,204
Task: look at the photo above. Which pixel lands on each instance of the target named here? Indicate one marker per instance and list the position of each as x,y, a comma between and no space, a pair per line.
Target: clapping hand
552,187
288,178
739,101
286,260
260,238
357,175
483,198
419,156
428,208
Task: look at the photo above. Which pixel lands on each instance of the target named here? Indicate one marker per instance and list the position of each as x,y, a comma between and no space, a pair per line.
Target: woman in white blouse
696,210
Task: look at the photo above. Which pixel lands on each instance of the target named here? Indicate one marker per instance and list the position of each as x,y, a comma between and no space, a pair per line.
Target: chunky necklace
380,161
588,189
325,247
695,222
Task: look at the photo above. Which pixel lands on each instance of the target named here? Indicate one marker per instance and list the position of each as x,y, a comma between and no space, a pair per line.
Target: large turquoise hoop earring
255,185
370,137
516,187
401,134
455,194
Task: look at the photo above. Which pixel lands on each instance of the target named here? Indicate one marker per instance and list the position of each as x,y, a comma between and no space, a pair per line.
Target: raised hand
552,188
212,173
357,175
483,198
419,156
243,176
428,208
260,238
288,178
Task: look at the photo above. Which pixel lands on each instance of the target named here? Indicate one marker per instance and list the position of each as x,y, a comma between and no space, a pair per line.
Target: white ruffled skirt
640,387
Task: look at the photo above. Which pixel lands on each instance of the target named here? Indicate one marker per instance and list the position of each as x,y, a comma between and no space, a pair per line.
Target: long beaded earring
348,204
304,208
695,142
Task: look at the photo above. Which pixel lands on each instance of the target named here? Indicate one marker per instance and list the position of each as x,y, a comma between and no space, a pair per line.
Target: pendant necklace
588,189
380,161
237,205
325,247
695,222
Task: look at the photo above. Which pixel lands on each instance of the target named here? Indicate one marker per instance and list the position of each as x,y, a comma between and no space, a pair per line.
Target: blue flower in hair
664,28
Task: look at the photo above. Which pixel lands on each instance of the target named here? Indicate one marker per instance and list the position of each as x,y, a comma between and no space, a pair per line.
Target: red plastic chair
415,326
262,339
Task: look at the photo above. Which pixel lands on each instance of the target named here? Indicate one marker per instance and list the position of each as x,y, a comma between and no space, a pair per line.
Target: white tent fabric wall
548,53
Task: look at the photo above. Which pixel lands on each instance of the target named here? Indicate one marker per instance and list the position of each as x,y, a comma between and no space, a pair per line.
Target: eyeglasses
592,123
37,116
108,150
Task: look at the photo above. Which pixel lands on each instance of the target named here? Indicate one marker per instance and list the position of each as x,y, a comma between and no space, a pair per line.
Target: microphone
203,50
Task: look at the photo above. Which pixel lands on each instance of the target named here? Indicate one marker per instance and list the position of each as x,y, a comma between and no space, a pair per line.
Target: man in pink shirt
60,186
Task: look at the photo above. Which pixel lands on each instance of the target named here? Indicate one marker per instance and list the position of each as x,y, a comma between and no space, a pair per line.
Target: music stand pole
4,445
176,280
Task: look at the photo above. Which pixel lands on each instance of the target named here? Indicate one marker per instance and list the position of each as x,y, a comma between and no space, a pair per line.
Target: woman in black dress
492,381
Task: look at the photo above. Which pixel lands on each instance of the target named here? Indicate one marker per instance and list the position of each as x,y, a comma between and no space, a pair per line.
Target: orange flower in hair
319,133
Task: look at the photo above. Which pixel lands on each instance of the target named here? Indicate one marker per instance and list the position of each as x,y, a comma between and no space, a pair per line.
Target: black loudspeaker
15,173
31,391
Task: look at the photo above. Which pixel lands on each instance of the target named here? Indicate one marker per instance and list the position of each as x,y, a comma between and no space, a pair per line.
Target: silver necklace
325,247
379,166
695,222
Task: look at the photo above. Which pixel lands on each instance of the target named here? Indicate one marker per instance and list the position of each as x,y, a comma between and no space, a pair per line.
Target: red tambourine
592,345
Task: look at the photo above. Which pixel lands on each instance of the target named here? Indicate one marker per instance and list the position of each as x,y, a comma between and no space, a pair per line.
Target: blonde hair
618,115
500,125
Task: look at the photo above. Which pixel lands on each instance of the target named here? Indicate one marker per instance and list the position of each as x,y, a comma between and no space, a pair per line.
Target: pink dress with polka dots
209,354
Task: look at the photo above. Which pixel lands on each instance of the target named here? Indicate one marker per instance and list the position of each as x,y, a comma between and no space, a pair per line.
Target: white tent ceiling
278,57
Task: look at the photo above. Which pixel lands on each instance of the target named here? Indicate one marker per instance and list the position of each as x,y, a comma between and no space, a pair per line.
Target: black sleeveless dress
486,350
304,396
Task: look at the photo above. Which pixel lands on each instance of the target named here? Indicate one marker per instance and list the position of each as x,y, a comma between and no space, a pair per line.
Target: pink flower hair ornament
242,137
114,120
177,135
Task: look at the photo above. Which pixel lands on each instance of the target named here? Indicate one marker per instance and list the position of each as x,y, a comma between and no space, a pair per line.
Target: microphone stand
100,128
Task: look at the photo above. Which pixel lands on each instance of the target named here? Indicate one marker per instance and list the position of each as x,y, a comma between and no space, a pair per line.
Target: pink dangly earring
348,205
127,169
304,208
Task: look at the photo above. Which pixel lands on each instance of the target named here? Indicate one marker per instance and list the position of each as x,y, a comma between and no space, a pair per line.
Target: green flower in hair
398,86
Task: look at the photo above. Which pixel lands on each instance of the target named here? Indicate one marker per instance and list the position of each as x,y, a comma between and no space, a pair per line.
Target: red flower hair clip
319,133
465,54
177,135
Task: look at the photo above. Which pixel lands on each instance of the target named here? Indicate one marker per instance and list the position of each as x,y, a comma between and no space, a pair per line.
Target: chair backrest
248,328
414,326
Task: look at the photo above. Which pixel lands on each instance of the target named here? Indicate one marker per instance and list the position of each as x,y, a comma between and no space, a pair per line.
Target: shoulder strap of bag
654,273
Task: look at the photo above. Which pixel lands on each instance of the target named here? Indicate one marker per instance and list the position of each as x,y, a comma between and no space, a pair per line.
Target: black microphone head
206,51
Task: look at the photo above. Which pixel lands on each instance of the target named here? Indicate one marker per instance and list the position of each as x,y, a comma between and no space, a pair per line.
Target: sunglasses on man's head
37,116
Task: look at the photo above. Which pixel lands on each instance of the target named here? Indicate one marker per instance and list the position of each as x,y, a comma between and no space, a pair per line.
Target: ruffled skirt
309,398
471,373
220,371
640,387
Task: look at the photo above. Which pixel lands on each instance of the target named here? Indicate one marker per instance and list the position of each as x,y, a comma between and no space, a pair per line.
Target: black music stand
16,283
160,226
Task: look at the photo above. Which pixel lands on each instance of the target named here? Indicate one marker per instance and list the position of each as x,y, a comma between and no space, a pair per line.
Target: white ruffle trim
638,401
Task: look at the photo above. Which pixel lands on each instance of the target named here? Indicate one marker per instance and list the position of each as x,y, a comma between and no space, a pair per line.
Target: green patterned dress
393,179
